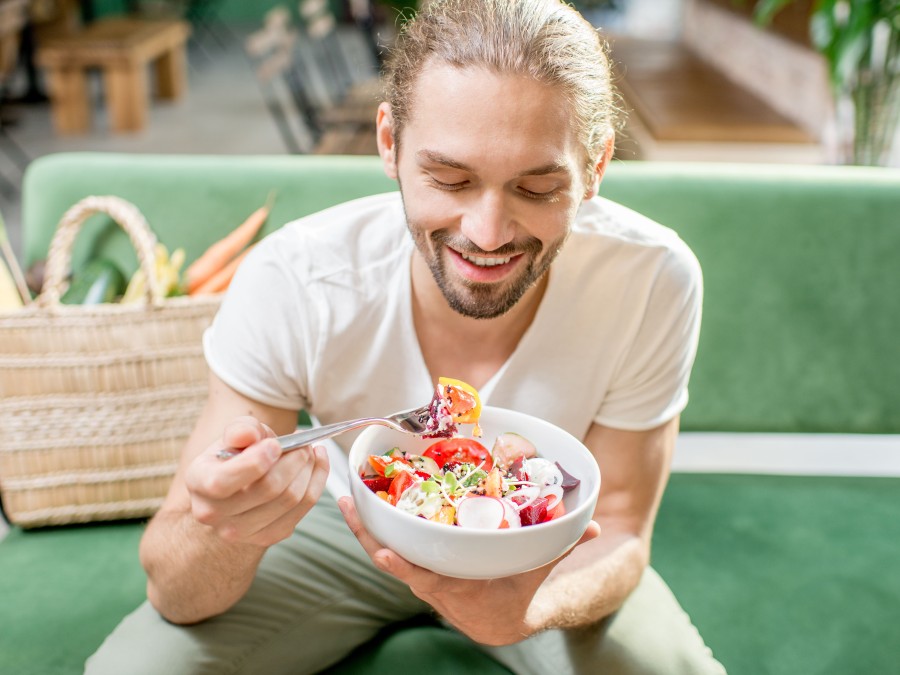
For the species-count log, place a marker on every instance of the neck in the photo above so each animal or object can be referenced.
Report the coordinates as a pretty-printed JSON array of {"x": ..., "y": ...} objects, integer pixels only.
[{"x": 458, "y": 346}]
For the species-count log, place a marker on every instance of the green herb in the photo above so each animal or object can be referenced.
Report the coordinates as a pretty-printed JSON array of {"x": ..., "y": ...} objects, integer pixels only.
[
  {"x": 474, "y": 478},
  {"x": 450, "y": 482}
]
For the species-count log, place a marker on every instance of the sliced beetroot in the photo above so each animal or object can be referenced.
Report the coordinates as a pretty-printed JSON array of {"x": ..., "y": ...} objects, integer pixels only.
[
  {"x": 569, "y": 481},
  {"x": 534, "y": 513},
  {"x": 438, "y": 422},
  {"x": 517, "y": 469},
  {"x": 525, "y": 495}
]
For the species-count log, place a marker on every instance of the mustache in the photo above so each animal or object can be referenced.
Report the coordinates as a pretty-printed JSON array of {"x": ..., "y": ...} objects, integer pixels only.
[{"x": 465, "y": 246}]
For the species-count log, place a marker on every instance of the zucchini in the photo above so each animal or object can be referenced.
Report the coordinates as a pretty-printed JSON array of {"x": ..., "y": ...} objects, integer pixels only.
[{"x": 100, "y": 281}]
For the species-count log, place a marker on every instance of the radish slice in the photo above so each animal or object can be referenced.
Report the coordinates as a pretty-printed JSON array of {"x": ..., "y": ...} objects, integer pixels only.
[
  {"x": 481, "y": 513},
  {"x": 510, "y": 447},
  {"x": 543, "y": 472},
  {"x": 553, "y": 493},
  {"x": 525, "y": 495},
  {"x": 511, "y": 513}
]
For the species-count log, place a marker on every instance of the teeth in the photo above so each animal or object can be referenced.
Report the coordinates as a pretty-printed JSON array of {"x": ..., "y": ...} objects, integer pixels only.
[{"x": 485, "y": 262}]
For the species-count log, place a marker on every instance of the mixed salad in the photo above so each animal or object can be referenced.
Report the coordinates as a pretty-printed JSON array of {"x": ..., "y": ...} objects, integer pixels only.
[{"x": 458, "y": 481}]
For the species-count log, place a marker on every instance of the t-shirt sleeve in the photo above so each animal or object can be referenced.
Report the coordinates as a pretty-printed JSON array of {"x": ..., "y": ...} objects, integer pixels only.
[
  {"x": 264, "y": 333},
  {"x": 650, "y": 386}
]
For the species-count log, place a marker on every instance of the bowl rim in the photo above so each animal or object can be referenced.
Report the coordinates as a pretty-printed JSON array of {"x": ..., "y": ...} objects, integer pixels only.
[{"x": 588, "y": 500}]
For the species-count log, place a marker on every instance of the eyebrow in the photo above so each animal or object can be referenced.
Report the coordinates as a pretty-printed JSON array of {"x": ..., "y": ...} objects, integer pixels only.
[{"x": 438, "y": 158}]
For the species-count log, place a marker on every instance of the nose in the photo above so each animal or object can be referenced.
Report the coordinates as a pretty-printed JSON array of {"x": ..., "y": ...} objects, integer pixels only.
[{"x": 489, "y": 223}]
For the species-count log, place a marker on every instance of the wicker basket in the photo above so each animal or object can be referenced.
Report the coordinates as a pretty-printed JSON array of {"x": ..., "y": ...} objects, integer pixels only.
[{"x": 97, "y": 401}]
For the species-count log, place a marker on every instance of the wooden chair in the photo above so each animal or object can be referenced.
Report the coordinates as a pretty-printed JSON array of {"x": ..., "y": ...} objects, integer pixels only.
[
  {"x": 348, "y": 91},
  {"x": 303, "y": 125}
]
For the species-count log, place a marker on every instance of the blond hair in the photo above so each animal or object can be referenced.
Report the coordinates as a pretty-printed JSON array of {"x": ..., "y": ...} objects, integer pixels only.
[{"x": 544, "y": 39}]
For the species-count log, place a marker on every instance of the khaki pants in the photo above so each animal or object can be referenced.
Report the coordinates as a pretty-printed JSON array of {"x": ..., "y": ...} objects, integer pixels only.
[{"x": 317, "y": 596}]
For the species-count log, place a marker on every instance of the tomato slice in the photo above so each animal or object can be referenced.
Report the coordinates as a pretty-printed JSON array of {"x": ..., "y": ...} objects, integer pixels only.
[
  {"x": 459, "y": 450},
  {"x": 378, "y": 462},
  {"x": 403, "y": 480},
  {"x": 462, "y": 400},
  {"x": 381, "y": 462},
  {"x": 377, "y": 484}
]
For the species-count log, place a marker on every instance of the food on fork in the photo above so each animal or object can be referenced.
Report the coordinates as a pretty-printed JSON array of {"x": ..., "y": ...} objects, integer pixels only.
[{"x": 454, "y": 402}]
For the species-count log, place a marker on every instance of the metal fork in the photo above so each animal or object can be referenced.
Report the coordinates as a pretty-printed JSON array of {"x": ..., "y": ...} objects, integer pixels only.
[{"x": 411, "y": 421}]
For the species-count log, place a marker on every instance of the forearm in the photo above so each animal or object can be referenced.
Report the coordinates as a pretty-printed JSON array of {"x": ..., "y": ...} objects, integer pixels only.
[
  {"x": 192, "y": 574},
  {"x": 591, "y": 583}
]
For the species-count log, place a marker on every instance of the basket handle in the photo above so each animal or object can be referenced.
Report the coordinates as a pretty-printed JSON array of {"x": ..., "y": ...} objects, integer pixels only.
[{"x": 127, "y": 216}]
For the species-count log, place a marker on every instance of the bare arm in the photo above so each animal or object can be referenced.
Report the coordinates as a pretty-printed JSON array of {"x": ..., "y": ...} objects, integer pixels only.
[
  {"x": 597, "y": 577},
  {"x": 202, "y": 548},
  {"x": 592, "y": 581}
]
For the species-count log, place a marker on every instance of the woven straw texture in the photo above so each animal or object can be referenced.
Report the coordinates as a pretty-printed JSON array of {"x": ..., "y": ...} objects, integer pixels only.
[{"x": 97, "y": 401}]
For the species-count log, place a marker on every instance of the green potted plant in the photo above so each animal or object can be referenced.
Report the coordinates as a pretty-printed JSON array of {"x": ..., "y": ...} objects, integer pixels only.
[{"x": 860, "y": 40}]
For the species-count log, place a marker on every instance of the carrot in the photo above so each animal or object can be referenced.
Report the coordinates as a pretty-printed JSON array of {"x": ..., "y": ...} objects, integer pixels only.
[
  {"x": 219, "y": 281},
  {"x": 216, "y": 257}
]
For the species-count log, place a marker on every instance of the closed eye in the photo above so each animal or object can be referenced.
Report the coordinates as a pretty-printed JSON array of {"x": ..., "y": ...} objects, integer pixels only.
[
  {"x": 451, "y": 187},
  {"x": 550, "y": 195}
]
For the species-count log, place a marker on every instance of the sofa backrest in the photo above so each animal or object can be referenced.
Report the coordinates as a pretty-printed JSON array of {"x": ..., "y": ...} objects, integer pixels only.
[{"x": 801, "y": 323}]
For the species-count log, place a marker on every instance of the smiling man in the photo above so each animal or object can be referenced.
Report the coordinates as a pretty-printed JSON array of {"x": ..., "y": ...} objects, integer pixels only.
[{"x": 495, "y": 263}]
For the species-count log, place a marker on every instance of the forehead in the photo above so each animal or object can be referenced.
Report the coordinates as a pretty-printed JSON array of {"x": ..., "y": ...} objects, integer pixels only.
[{"x": 475, "y": 113}]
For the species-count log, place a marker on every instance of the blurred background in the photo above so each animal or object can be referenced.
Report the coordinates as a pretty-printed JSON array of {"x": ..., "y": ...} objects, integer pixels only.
[{"x": 777, "y": 81}]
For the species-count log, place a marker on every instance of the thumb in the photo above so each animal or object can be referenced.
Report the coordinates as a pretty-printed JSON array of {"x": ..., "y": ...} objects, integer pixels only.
[{"x": 591, "y": 532}]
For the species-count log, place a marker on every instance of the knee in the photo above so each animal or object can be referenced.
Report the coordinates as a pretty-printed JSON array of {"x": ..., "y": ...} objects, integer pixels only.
[
  {"x": 144, "y": 644},
  {"x": 644, "y": 655}
]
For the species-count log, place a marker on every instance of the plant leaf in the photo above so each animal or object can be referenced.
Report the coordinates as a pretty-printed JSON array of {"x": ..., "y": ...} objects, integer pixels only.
[{"x": 765, "y": 10}]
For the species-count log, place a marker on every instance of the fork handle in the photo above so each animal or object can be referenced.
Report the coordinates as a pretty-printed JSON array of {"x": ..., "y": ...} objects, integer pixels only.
[{"x": 299, "y": 439}]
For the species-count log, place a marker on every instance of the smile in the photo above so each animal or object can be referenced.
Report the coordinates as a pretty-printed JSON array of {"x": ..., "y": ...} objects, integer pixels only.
[{"x": 485, "y": 262}]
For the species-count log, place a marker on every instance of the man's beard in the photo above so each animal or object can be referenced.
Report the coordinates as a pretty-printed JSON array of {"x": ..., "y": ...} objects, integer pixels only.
[{"x": 479, "y": 300}]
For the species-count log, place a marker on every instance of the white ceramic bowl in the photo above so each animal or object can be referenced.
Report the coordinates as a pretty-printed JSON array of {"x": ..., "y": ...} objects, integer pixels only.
[{"x": 473, "y": 553}]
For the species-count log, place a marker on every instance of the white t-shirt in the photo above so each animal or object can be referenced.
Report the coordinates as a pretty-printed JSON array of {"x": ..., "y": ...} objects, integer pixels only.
[{"x": 319, "y": 317}]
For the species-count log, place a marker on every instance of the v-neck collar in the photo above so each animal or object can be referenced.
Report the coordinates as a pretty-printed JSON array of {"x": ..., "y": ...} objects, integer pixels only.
[{"x": 542, "y": 316}]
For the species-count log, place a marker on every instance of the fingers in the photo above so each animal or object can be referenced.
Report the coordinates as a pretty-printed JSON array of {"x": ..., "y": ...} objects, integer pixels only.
[
  {"x": 592, "y": 532},
  {"x": 219, "y": 479},
  {"x": 293, "y": 485},
  {"x": 385, "y": 559},
  {"x": 244, "y": 431},
  {"x": 266, "y": 511},
  {"x": 271, "y": 531}
]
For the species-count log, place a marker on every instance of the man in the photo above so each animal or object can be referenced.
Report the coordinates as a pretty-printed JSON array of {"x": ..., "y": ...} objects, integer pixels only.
[{"x": 498, "y": 126}]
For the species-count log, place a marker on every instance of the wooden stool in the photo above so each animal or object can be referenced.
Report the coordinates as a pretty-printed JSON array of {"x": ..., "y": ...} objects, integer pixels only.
[{"x": 122, "y": 48}]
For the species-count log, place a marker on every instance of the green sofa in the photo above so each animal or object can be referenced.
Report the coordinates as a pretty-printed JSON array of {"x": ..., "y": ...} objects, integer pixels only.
[{"x": 782, "y": 574}]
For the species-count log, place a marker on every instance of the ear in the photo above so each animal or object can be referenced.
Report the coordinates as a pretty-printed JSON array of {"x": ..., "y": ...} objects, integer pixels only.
[
  {"x": 384, "y": 136},
  {"x": 600, "y": 167}
]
